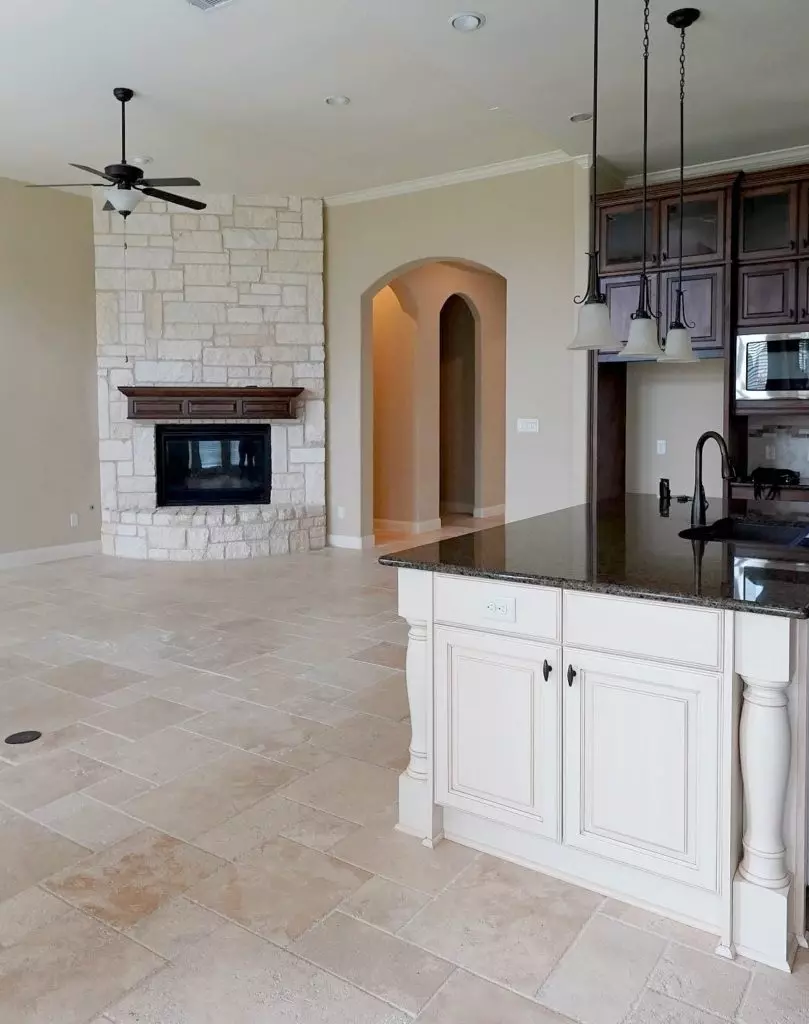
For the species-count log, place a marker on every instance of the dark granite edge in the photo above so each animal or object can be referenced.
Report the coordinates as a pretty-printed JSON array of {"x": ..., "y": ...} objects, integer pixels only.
[{"x": 615, "y": 589}]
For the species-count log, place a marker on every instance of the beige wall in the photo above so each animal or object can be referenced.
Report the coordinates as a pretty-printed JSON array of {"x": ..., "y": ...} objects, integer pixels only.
[
  {"x": 394, "y": 426},
  {"x": 521, "y": 226},
  {"x": 675, "y": 404},
  {"x": 47, "y": 380}
]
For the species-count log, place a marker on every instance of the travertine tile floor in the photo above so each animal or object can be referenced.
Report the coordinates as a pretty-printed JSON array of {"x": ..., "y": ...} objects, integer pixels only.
[{"x": 204, "y": 833}]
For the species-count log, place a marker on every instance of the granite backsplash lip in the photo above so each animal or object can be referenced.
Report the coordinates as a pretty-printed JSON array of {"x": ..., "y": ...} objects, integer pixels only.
[{"x": 626, "y": 548}]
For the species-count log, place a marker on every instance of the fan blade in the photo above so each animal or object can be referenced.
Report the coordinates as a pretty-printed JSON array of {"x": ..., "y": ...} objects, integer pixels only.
[
  {"x": 73, "y": 184},
  {"x": 92, "y": 170},
  {"x": 167, "y": 197},
  {"x": 176, "y": 182},
  {"x": 108, "y": 206}
]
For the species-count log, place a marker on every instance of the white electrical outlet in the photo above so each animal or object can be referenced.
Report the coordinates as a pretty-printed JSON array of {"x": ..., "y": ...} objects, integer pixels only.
[
  {"x": 341, "y": 512},
  {"x": 661, "y": 447},
  {"x": 74, "y": 519},
  {"x": 504, "y": 609},
  {"x": 769, "y": 452},
  {"x": 527, "y": 426}
]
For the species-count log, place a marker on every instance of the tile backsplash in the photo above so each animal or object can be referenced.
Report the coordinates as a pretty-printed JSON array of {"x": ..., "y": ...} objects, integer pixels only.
[{"x": 784, "y": 444}]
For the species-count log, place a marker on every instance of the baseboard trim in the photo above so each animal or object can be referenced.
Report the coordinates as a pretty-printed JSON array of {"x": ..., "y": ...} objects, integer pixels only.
[
  {"x": 492, "y": 510},
  {"x": 406, "y": 526},
  {"x": 457, "y": 508},
  {"x": 57, "y": 553},
  {"x": 336, "y": 540}
]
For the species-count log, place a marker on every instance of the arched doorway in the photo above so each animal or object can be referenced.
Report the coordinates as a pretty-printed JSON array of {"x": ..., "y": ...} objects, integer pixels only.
[
  {"x": 458, "y": 409},
  {"x": 405, "y": 318}
]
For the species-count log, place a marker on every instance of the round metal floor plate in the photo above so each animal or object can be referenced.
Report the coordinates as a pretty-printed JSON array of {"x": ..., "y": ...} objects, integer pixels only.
[{"x": 24, "y": 737}]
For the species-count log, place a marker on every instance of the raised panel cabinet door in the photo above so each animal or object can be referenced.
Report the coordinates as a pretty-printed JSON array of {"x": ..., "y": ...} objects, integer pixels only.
[
  {"x": 803, "y": 291},
  {"x": 641, "y": 764},
  {"x": 803, "y": 214},
  {"x": 497, "y": 727},
  {"x": 703, "y": 229},
  {"x": 622, "y": 299},
  {"x": 704, "y": 293},
  {"x": 768, "y": 222},
  {"x": 767, "y": 294},
  {"x": 620, "y": 244}
]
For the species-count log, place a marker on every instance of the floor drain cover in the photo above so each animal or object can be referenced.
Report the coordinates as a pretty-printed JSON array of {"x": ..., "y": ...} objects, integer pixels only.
[{"x": 24, "y": 737}]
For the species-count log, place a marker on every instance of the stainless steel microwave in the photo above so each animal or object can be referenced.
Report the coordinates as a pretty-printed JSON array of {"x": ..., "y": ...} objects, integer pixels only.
[{"x": 772, "y": 366}]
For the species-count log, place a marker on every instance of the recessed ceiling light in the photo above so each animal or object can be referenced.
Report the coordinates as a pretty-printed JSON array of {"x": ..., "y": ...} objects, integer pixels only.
[
  {"x": 581, "y": 118},
  {"x": 467, "y": 22},
  {"x": 338, "y": 101}
]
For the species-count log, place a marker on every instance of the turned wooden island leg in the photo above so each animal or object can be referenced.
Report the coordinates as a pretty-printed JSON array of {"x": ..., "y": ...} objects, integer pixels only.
[
  {"x": 418, "y": 813},
  {"x": 761, "y": 888}
]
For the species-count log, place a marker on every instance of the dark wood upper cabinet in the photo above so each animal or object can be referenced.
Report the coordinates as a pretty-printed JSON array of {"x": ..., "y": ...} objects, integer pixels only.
[
  {"x": 768, "y": 294},
  {"x": 803, "y": 233},
  {"x": 768, "y": 222},
  {"x": 621, "y": 237},
  {"x": 703, "y": 229},
  {"x": 622, "y": 298},
  {"x": 803, "y": 292},
  {"x": 704, "y": 293}
]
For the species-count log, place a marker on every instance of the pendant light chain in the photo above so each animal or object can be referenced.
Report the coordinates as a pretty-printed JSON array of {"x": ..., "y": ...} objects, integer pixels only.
[
  {"x": 645, "y": 123},
  {"x": 680, "y": 311}
]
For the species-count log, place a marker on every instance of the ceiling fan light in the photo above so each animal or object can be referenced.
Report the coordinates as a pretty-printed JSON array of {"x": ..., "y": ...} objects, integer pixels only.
[
  {"x": 642, "y": 341},
  {"x": 124, "y": 200},
  {"x": 678, "y": 346},
  {"x": 594, "y": 330}
]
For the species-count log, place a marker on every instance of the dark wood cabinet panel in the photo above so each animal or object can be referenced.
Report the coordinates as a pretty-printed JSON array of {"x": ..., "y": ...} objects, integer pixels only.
[
  {"x": 621, "y": 237},
  {"x": 703, "y": 229},
  {"x": 803, "y": 228},
  {"x": 767, "y": 294},
  {"x": 704, "y": 293},
  {"x": 768, "y": 222},
  {"x": 622, "y": 298},
  {"x": 803, "y": 292}
]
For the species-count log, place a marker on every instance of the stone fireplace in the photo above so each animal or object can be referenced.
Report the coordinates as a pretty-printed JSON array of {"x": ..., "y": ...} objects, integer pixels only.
[{"x": 229, "y": 298}]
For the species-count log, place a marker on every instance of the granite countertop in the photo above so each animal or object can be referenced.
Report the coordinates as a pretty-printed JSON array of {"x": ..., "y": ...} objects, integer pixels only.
[{"x": 627, "y": 548}]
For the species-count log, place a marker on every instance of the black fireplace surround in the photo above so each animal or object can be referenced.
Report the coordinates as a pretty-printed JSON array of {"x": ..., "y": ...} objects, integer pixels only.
[{"x": 213, "y": 464}]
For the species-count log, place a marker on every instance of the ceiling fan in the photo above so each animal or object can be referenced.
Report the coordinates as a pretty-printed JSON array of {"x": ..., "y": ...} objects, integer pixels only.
[{"x": 125, "y": 182}]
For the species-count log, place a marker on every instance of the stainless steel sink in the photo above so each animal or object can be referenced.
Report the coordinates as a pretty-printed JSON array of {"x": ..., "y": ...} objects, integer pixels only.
[{"x": 740, "y": 531}]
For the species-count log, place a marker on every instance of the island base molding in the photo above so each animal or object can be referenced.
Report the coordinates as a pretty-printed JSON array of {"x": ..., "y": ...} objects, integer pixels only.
[{"x": 652, "y": 751}]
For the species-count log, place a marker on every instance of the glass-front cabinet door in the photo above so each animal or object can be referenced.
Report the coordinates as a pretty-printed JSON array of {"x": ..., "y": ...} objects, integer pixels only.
[
  {"x": 621, "y": 237},
  {"x": 703, "y": 229},
  {"x": 769, "y": 222}
]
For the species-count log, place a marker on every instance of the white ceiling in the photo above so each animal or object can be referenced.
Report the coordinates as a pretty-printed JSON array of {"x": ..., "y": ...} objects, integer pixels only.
[{"x": 235, "y": 96}]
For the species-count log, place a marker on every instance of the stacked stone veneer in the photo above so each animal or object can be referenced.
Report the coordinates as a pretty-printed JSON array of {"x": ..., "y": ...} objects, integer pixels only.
[{"x": 232, "y": 296}]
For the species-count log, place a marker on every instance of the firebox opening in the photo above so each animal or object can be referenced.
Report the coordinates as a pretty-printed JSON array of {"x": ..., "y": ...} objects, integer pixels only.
[{"x": 212, "y": 464}]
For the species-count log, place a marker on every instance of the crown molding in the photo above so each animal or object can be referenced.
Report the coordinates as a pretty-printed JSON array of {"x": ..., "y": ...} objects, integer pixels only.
[
  {"x": 752, "y": 162},
  {"x": 401, "y": 188}
]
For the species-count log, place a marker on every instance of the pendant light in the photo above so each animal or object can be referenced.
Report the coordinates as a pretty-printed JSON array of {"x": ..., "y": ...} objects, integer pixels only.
[
  {"x": 594, "y": 330},
  {"x": 642, "y": 341},
  {"x": 678, "y": 339}
]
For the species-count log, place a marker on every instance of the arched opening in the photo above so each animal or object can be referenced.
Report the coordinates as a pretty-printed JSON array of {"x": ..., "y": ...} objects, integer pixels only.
[
  {"x": 433, "y": 409},
  {"x": 457, "y": 403}
]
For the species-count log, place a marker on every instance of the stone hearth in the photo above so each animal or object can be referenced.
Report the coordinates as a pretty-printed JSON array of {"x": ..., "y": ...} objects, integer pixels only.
[{"x": 232, "y": 297}]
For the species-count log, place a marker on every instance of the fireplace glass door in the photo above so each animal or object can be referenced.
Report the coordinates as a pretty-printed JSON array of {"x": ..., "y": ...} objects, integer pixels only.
[{"x": 213, "y": 464}]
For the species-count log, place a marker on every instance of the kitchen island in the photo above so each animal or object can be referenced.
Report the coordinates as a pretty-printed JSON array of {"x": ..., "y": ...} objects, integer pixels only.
[{"x": 594, "y": 696}]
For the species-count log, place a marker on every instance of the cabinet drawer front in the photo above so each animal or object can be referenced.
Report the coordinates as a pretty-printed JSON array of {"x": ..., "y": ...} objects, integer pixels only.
[
  {"x": 660, "y": 631},
  {"x": 497, "y": 729},
  {"x": 642, "y": 766},
  {"x": 499, "y": 607}
]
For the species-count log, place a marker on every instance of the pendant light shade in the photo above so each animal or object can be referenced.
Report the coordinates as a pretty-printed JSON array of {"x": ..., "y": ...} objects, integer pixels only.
[
  {"x": 678, "y": 346},
  {"x": 642, "y": 342},
  {"x": 594, "y": 332},
  {"x": 678, "y": 340}
]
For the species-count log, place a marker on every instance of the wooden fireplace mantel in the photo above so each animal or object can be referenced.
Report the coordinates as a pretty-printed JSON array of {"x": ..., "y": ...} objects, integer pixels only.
[{"x": 186, "y": 403}]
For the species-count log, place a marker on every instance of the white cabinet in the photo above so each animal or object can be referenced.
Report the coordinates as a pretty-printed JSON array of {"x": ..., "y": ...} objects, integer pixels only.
[
  {"x": 641, "y": 764},
  {"x": 497, "y": 728}
]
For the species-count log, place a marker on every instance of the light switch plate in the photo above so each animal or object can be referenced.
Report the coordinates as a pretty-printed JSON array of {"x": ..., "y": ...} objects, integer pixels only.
[
  {"x": 661, "y": 447},
  {"x": 527, "y": 426}
]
